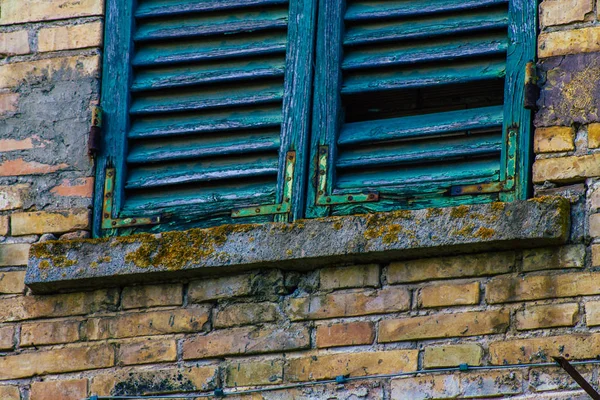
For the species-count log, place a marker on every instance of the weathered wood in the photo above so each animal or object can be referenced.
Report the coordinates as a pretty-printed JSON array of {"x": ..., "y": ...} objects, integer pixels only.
[{"x": 161, "y": 8}]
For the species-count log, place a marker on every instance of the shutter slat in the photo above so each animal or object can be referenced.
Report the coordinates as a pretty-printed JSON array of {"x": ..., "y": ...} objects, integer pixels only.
[
  {"x": 206, "y": 146},
  {"x": 364, "y": 10},
  {"x": 447, "y": 49},
  {"x": 417, "y": 78},
  {"x": 208, "y": 25},
  {"x": 389, "y": 154},
  {"x": 210, "y": 49},
  {"x": 426, "y": 28},
  {"x": 175, "y": 125},
  {"x": 163, "y": 78},
  {"x": 443, "y": 173},
  {"x": 161, "y": 8},
  {"x": 421, "y": 125},
  {"x": 221, "y": 96},
  {"x": 202, "y": 171}
]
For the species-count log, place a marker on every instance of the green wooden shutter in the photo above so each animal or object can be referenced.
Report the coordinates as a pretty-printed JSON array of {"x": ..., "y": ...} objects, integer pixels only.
[
  {"x": 203, "y": 99},
  {"x": 420, "y": 103}
]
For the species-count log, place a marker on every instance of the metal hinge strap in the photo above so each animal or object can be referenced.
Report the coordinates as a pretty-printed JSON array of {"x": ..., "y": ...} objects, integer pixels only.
[
  {"x": 94, "y": 140},
  {"x": 328, "y": 199},
  {"x": 532, "y": 90},
  {"x": 273, "y": 209},
  {"x": 108, "y": 222}
]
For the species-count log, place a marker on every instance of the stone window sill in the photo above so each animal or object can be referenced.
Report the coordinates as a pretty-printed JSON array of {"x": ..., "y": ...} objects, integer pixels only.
[{"x": 306, "y": 244}]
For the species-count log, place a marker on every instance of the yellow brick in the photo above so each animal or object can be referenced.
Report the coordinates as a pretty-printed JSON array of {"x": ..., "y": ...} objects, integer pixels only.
[
  {"x": 566, "y": 169},
  {"x": 326, "y": 366},
  {"x": 594, "y": 225},
  {"x": 443, "y": 325},
  {"x": 560, "y": 43},
  {"x": 12, "y": 282},
  {"x": 49, "y": 222},
  {"x": 9, "y": 103},
  {"x": 244, "y": 314},
  {"x": 152, "y": 296},
  {"x": 4, "y": 225},
  {"x": 10, "y": 393},
  {"x": 65, "y": 68},
  {"x": 7, "y": 338},
  {"x": 571, "y": 346},
  {"x": 554, "y": 139},
  {"x": 594, "y": 136},
  {"x": 45, "y": 333},
  {"x": 572, "y": 256},
  {"x": 247, "y": 340},
  {"x": 449, "y": 295},
  {"x": 451, "y": 267},
  {"x": 146, "y": 352},
  {"x": 350, "y": 277},
  {"x": 452, "y": 355},
  {"x": 63, "y": 390},
  {"x": 158, "y": 381},
  {"x": 14, "y": 254},
  {"x": 70, "y": 37},
  {"x": 592, "y": 313},
  {"x": 560, "y": 12},
  {"x": 547, "y": 316},
  {"x": 72, "y": 359},
  {"x": 254, "y": 373},
  {"x": 13, "y": 43},
  {"x": 596, "y": 255},
  {"x": 345, "y": 334},
  {"x": 510, "y": 288},
  {"x": 19, "y": 11},
  {"x": 348, "y": 304}
]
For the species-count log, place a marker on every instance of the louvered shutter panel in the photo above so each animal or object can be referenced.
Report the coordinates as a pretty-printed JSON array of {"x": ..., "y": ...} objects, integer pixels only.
[
  {"x": 196, "y": 95},
  {"x": 419, "y": 103}
]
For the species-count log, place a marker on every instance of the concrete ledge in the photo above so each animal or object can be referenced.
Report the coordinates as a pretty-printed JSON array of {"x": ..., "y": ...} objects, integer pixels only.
[{"x": 306, "y": 244}]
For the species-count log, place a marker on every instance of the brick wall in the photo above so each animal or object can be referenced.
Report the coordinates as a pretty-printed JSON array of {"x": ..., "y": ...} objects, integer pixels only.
[{"x": 265, "y": 328}]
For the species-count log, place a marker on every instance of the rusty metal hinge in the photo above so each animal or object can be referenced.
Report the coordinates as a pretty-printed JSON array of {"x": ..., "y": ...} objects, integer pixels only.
[
  {"x": 95, "y": 138},
  {"x": 279, "y": 208},
  {"x": 532, "y": 90},
  {"x": 108, "y": 222},
  {"x": 327, "y": 199}
]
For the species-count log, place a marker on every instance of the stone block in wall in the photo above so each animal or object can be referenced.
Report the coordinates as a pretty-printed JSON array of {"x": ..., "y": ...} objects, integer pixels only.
[
  {"x": 146, "y": 351},
  {"x": 244, "y": 314},
  {"x": 570, "y": 86},
  {"x": 348, "y": 304},
  {"x": 511, "y": 288},
  {"x": 52, "y": 332},
  {"x": 349, "y": 277},
  {"x": 254, "y": 373},
  {"x": 345, "y": 334},
  {"x": 483, "y": 384},
  {"x": 20, "y": 11},
  {"x": 14, "y": 43},
  {"x": 70, "y": 37},
  {"x": 443, "y": 326},
  {"x": 547, "y": 316},
  {"x": 14, "y": 254},
  {"x": 12, "y": 282},
  {"x": 247, "y": 340},
  {"x": 131, "y": 382},
  {"x": 554, "y": 139},
  {"x": 75, "y": 389},
  {"x": 571, "y": 256},
  {"x": 40, "y": 222},
  {"x": 445, "y": 356},
  {"x": 71, "y": 359},
  {"x": 450, "y": 267},
  {"x": 11, "y": 197},
  {"x": 445, "y": 295},
  {"x": 560, "y": 12},
  {"x": 152, "y": 296},
  {"x": 327, "y": 366}
]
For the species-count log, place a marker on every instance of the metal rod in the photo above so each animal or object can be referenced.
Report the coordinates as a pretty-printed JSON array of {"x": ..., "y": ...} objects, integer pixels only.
[{"x": 577, "y": 377}]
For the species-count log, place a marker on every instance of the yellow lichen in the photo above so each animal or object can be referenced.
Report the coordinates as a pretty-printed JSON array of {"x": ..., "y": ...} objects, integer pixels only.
[
  {"x": 498, "y": 206},
  {"x": 465, "y": 230},
  {"x": 484, "y": 233},
  {"x": 44, "y": 264},
  {"x": 433, "y": 212},
  {"x": 459, "y": 212}
]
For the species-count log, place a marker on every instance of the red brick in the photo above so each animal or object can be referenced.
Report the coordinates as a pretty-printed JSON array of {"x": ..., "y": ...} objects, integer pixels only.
[
  {"x": 7, "y": 145},
  {"x": 81, "y": 187},
  {"x": 21, "y": 167}
]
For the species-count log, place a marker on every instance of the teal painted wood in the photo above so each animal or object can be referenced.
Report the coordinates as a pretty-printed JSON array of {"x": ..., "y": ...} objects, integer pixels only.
[
  {"x": 222, "y": 143},
  {"x": 522, "y": 33},
  {"x": 199, "y": 49},
  {"x": 363, "y": 10},
  {"x": 420, "y": 126},
  {"x": 297, "y": 101},
  {"x": 161, "y": 8},
  {"x": 485, "y": 45},
  {"x": 210, "y": 121},
  {"x": 115, "y": 103},
  {"x": 327, "y": 106},
  {"x": 461, "y": 23}
]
